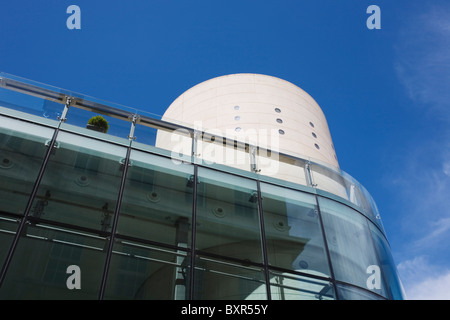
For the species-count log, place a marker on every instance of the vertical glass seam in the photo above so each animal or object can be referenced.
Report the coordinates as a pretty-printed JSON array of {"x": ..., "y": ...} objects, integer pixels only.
[
  {"x": 372, "y": 241},
  {"x": 263, "y": 240},
  {"x": 33, "y": 193},
  {"x": 115, "y": 221},
  {"x": 193, "y": 233},
  {"x": 330, "y": 264},
  {"x": 194, "y": 161}
]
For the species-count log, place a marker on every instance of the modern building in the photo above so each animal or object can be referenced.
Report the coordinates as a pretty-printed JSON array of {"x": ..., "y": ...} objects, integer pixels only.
[{"x": 234, "y": 193}]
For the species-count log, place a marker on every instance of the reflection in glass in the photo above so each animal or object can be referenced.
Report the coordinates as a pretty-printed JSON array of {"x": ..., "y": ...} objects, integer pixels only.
[
  {"x": 38, "y": 269},
  {"x": 80, "y": 118},
  {"x": 227, "y": 216},
  {"x": 22, "y": 150},
  {"x": 220, "y": 280},
  {"x": 352, "y": 293},
  {"x": 141, "y": 272},
  {"x": 71, "y": 217},
  {"x": 292, "y": 230},
  {"x": 147, "y": 136},
  {"x": 30, "y": 104},
  {"x": 349, "y": 242},
  {"x": 157, "y": 200},
  {"x": 388, "y": 269},
  {"x": 8, "y": 228},
  {"x": 81, "y": 183},
  {"x": 294, "y": 287}
]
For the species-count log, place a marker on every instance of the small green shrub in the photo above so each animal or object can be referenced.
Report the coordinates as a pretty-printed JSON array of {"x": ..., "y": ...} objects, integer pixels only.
[{"x": 100, "y": 122}]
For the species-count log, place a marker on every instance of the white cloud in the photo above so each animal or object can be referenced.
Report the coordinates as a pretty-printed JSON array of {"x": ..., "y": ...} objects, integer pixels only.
[
  {"x": 423, "y": 281},
  {"x": 438, "y": 229},
  {"x": 423, "y": 194},
  {"x": 422, "y": 189},
  {"x": 423, "y": 67},
  {"x": 423, "y": 60},
  {"x": 422, "y": 181},
  {"x": 446, "y": 168},
  {"x": 431, "y": 288}
]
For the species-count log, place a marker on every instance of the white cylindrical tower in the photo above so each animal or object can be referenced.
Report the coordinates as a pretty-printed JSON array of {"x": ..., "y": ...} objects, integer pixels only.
[{"x": 259, "y": 109}]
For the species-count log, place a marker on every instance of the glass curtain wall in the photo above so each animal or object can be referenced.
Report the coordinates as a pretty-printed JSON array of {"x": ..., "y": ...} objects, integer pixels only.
[
  {"x": 157, "y": 210},
  {"x": 183, "y": 231},
  {"x": 68, "y": 222},
  {"x": 22, "y": 151},
  {"x": 228, "y": 237},
  {"x": 349, "y": 242}
]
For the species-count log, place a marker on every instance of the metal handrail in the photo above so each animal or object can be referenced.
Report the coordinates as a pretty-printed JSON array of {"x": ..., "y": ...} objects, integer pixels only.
[{"x": 79, "y": 101}]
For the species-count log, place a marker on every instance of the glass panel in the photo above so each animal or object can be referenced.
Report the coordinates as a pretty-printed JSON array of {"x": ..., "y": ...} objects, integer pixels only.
[
  {"x": 142, "y": 272},
  {"x": 116, "y": 127},
  {"x": 359, "y": 196},
  {"x": 285, "y": 286},
  {"x": 371, "y": 208},
  {"x": 146, "y": 135},
  {"x": 328, "y": 179},
  {"x": 282, "y": 167},
  {"x": 157, "y": 200},
  {"x": 387, "y": 266},
  {"x": 345, "y": 186},
  {"x": 214, "y": 147},
  {"x": 216, "y": 280},
  {"x": 30, "y": 104},
  {"x": 349, "y": 242},
  {"x": 227, "y": 216},
  {"x": 178, "y": 142},
  {"x": 39, "y": 267},
  {"x": 352, "y": 293},
  {"x": 81, "y": 183},
  {"x": 293, "y": 232},
  {"x": 22, "y": 150}
]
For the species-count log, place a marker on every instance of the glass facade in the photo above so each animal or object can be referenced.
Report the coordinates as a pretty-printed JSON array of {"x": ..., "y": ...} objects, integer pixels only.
[{"x": 140, "y": 224}]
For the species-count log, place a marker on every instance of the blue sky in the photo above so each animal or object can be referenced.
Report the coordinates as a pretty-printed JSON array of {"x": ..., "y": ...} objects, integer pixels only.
[{"x": 385, "y": 93}]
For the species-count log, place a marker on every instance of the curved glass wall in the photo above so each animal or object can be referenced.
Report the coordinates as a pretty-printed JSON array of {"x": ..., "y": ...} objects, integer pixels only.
[
  {"x": 293, "y": 231},
  {"x": 139, "y": 224},
  {"x": 349, "y": 243}
]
